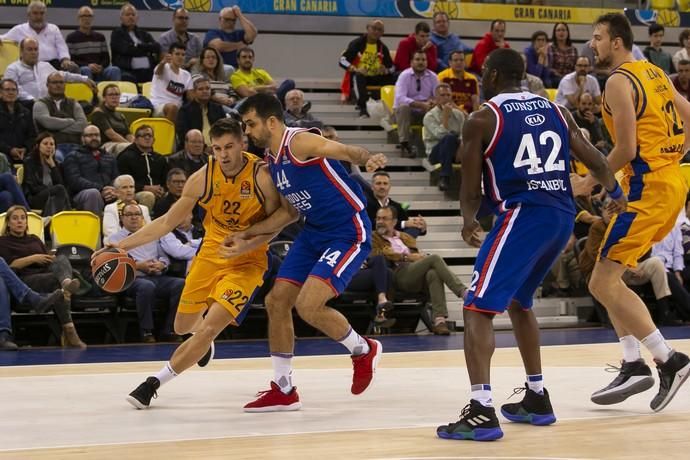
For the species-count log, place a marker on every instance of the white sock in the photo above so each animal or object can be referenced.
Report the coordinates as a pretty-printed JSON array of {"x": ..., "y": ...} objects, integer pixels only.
[
  {"x": 482, "y": 393},
  {"x": 631, "y": 348},
  {"x": 166, "y": 374},
  {"x": 657, "y": 346},
  {"x": 282, "y": 371},
  {"x": 536, "y": 383},
  {"x": 355, "y": 343}
]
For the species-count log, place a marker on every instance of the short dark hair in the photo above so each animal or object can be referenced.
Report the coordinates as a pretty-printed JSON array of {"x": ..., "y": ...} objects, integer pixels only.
[
  {"x": 394, "y": 212},
  {"x": 619, "y": 27},
  {"x": 142, "y": 128},
  {"x": 246, "y": 49},
  {"x": 496, "y": 21},
  {"x": 380, "y": 173},
  {"x": 684, "y": 35},
  {"x": 422, "y": 27},
  {"x": 175, "y": 172},
  {"x": 225, "y": 126},
  {"x": 539, "y": 33},
  {"x": 8, "y": 80},
  {"x": 508, "y": 64},
  {"x": 684, "y": 62},
  {"x": 656, "y": 27},
  {"x": 452, "y": 53},
  {"x": 176, "y": 46},
  {"x": 265, "y": 105}
]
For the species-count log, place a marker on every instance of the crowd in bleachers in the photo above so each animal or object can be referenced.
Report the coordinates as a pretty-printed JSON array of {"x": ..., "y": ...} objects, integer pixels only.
[{"x": 116, "y": 130}]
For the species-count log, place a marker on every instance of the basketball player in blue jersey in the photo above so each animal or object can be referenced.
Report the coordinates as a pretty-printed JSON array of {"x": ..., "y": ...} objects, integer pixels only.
[
  {"x": 333, "y": 245},
  {"x": 519, "y": 143}
]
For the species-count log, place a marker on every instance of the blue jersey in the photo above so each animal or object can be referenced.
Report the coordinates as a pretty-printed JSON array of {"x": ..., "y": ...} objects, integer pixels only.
[
  {"x": 528, "y": 159},
  {"x": 319, "y": 188}
]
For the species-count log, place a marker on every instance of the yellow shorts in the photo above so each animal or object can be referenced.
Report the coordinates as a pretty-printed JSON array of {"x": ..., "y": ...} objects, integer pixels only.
[
  {"x": 654, "y": 201},
  {"x": 232, "y": 285}
]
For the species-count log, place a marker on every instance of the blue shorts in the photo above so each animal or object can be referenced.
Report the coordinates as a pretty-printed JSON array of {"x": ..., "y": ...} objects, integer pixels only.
[
  {"x": 516, "y": 256},
  {"x": 331, "y": 256}
]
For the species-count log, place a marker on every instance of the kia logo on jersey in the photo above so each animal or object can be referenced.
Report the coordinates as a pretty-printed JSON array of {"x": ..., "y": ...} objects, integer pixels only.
[{"x": 535, "y": 120}]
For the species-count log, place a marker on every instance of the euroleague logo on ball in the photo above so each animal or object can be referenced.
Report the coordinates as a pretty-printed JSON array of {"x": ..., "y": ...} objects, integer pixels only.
[
  {"x": 100, "y": 275},
  {"x": 535, "y": 119}
]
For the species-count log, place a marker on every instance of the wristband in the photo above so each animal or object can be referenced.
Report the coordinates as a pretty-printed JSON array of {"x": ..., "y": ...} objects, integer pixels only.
[{"x": 616, "y": 193}]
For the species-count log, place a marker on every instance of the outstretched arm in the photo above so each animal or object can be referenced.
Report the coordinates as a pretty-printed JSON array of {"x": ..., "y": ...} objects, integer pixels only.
[{"x": 309, "y": 145}]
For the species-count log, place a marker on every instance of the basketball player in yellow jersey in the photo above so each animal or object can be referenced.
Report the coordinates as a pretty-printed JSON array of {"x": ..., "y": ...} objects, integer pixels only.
[
  {"x": 646, "y": 118},
  {"x": 236, "y": 191}
]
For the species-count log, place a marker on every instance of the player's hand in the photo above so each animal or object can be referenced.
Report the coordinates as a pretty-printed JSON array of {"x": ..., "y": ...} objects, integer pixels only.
[
  {"x": 103, "y": 249},
  {"x": 617, "y": 206},
  {"x": 235, "y": 244},
  {"x": 470, "y": 233},
  {"x": 582, "y": 186},
  {"x": 375, "y": 162}
]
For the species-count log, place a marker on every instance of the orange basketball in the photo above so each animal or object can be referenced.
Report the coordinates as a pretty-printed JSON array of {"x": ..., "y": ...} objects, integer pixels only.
[{"x": 113, "y": 270}]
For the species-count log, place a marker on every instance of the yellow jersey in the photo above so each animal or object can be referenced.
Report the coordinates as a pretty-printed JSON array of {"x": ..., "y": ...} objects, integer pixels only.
[
  {"x": 232, "y": 204},
  {"x": 660, "y": 131}
]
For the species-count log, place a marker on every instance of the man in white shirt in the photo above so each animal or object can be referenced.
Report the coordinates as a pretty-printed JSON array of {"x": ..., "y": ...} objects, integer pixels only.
[
  {"x": 124, "y": 189},
  {"x": 53, "y": 47},
  {"x": 181, "y": 246},
  {"x": 170, "y": 82},
  {"x": 31, "y": 75},
  {"x": 575, "y": 83}
]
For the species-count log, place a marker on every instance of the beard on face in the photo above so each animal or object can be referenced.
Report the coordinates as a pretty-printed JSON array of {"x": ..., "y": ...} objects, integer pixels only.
[{"x": 381, "y": 229}]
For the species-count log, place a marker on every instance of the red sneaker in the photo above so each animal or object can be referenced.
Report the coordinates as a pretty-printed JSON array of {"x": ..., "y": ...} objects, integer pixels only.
[
  {"x": 365, "y": 366},
  {"x": 274, "y": 400}
]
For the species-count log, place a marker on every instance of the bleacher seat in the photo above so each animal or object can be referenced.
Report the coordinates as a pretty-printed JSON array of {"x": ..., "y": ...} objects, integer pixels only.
[
  {"x": 9, "y": 52},
  {"x": 76, "y": 227},
  {"x": 35, "y": 226},
  {"x": 146, "y": 90},
  {"x": 131, "y": 114},
  {"x": 79, "y": 92},
  {"x": 164, "y": 133},
  {"x": 124, "y": 86}
]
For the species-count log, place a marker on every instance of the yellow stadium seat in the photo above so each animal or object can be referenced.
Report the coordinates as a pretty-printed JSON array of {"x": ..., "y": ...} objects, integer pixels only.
[
  {"x": 388, "y": 96},
  {"x": 76, "y": 227},
  {"x": 468, "y": 60},
  {"x": 685, "y": 170},
  {"x": 35, "y": 224},
  {"x": 163, "y": 131},
  {"x": 126, "y": 87},
  {"x": 8, "y": 54},
  {"x": 662, "y": 4},
  {"x": 551, "y": 93},
  {"x": 20, "y": 174},
  {"x": 146, "y": 89},
  {"x": 132, "y": 114},
  {"x": 79, "y": 92}
]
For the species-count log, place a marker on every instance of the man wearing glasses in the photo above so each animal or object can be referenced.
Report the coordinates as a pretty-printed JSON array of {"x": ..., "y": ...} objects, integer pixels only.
[
  {"x": 89, "y": 50},
  {"x": 180, "y": 34},
  {"x": 575, "y": 83},
  {"x": 227, "y": 40},
  {"x": 148, "y": 168}
]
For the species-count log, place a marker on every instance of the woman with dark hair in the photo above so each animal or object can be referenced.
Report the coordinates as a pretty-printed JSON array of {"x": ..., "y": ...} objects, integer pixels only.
[
  {"x": 210, "y": 65},
  {"x": 112, "y": 124},
  {"x": 562, "y": 53},
  {"x": 43, "y": 183},
  {"x": 537, "y": 54},
  {"x": 684, "y": 52},
  {"x": 39, "y": 269},
  {"x": 17, "y": 130}
]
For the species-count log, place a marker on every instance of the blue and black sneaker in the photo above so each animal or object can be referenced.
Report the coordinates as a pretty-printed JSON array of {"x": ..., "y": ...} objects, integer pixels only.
[
  {"x": 534, "y": 408},
  {"x": 477, "y": 423}
]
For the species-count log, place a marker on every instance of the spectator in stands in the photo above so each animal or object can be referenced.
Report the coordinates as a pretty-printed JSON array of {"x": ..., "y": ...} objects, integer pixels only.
[
  {"x": 181, "y": 246},
  {"x": 175, "y": 183},
  {"x": 381, "y": 187},
  {"x": 530, "y": 83},
  {"x": 297, "y": 112},
  {"x": 682, "y": 80},
  {"x": 376, "y": 276},
  {"x": 44, "y": 186},
  {"x": 414, "y": 94},
  {"x": 61, "y": 116},
  {"x": 562, "y": 53},
  {"x": 124, "y": 190},
  {"x": 367, "y": 62},
  {"x": 226, "y": 40},
  {"x": 10, "y": 193},
  {"x": 671, "y": 253},
  {"x": 599, "y": 72},
  {"x": 31, "y": 74},
  {"x": 492, "y": 40},
  {"x": 200, "y": 112},
  {"x": 39, "y": 269},
  {"x": 112, "y": 124},
  {"x": 575, "y": 83},
  {"x": 537, "y": 54},
  {"x": 330, "y": 133},
  {"x": 655, "y": 53},
  {"x": 249, "y": 80},
  {"x": 417, "y": 42},
  {"x": 90, "y": 50},
  {"x": 446, "y": 42},
  {"x": 414, "y": 271},
  {"x": 133, "y": 50},
  {"x": 150, "y": 283},
  {"x": 684, "y": 51},
  {"x": 11, "y": 286},
  {"x": 585, "y": 118},
  {"x": 146, "y": 166},
  {"x": 170, "y": 84},
  {"x": 180, "y": 34},
  {"x": 566, "y": 271},
  {"x": 442, "y": 133},
  {"x": 464, "y": 85},
  {"x": 53, "y": 47},
  {"x": 88, "y": 172},
  {"x": 17, "y": 131},
  {"x": 210, "y": 66},
  {"x": 192, "y": 157}
]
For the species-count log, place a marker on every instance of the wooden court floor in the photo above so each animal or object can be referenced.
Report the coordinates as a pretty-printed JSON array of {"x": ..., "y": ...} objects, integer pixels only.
[{"x": 79, "y": 411}]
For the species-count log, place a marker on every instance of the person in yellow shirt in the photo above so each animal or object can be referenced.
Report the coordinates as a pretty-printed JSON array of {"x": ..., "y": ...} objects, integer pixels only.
[
  {"x": 464, "y": 85},
  {"x": 248, "y": 80}
]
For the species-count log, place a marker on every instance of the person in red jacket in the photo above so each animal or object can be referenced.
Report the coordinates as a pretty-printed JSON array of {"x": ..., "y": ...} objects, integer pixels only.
[
  {"x": 419, "y": 40},
  {"x": 491, "y": 41}
]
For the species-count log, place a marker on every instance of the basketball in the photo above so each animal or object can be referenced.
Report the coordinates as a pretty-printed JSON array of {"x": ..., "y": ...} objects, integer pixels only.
[
  {"x": 113, "y": 270},
  {"x": 198, "y": 5}
]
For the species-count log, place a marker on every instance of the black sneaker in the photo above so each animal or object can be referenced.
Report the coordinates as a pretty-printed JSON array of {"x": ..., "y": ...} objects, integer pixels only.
[
  {"x": 477, "y": 423},
  {"x": 534, "y": 408},
  {"x": 672, "y": 374},
  {"x": 208, "y": 356},
  {"x": 141, "y": 396},
  {"x": 633, "y": 377}
]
